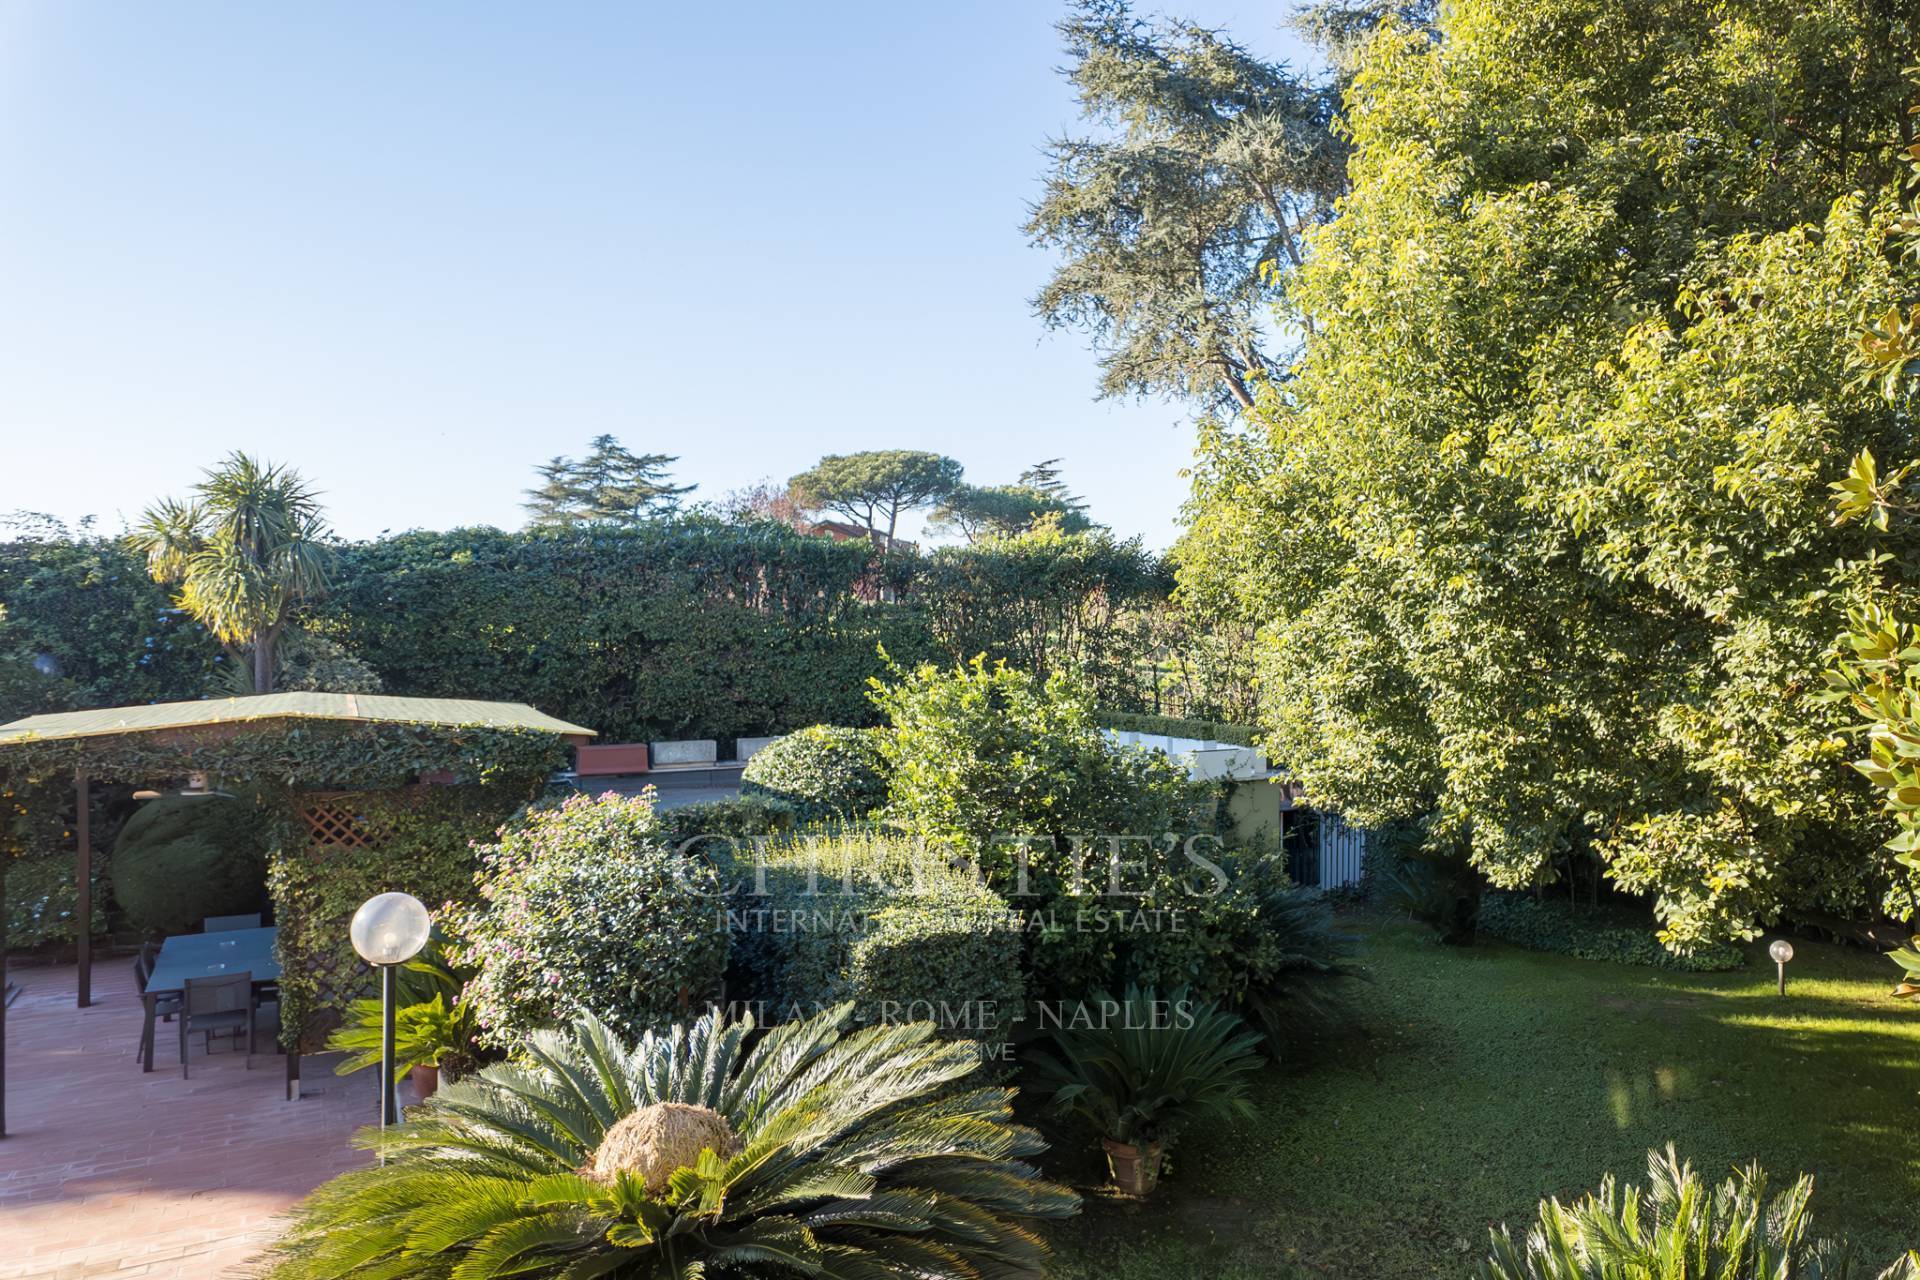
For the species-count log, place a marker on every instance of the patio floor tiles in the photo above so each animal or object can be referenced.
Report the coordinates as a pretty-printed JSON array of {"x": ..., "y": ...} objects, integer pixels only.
[{"x": 109, "y": 1172}]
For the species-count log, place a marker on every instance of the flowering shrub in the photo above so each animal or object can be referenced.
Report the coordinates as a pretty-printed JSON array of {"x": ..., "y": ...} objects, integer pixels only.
[{"x": 585, "y": 909}]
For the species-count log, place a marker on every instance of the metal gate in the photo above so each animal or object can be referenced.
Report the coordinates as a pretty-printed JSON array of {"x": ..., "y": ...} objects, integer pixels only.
[{"x": 1343, "y": 851}]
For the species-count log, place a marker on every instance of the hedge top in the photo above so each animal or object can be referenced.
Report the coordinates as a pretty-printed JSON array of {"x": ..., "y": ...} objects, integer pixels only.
[{"x": 361, "y": 708}]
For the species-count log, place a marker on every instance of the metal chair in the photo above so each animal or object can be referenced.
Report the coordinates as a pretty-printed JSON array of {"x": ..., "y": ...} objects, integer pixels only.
[
  {"x": 215, "y": 1004},
  {"x": 226, "y": 924},
  {"x": 164, "y": 1006}
]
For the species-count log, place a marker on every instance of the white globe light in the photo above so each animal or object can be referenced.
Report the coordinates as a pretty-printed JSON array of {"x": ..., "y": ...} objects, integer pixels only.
[
  {"x": 1781, "y": 951},
  {"x": 390, "y": 928}
]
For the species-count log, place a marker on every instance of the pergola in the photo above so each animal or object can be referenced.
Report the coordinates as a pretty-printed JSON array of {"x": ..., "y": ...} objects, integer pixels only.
[{"x": 296, "y": 742}]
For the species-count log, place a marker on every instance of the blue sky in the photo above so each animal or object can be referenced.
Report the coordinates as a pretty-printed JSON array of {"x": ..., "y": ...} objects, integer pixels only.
[{"x": 415, "y": 249}]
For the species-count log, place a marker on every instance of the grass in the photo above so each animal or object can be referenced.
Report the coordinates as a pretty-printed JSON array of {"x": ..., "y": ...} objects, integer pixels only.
[{"x": 1479, "y": 1080}]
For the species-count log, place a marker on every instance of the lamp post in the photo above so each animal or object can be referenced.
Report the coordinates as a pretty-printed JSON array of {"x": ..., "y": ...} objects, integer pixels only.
[
  {"x": 1781, "y": 951},
  {"x": 388, "y": 930}
]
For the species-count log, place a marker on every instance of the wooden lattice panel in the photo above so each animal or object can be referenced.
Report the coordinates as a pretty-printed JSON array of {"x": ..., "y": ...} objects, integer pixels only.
[
  {"x": 335, "y": 820},
  {"x": 339, "y": 817}
]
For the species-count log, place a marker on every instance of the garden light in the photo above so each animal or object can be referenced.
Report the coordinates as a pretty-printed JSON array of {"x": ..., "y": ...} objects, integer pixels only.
[
  {"x": 389, "y": 929},
  {"x": 1781, "y": 951}
]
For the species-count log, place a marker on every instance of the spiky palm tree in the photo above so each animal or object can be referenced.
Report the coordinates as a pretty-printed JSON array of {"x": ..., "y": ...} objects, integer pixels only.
[
  {"x": 247, "y": 550},
  {"x": 1678, "y": 1229},
  {"x": 819, "y": 1152}
]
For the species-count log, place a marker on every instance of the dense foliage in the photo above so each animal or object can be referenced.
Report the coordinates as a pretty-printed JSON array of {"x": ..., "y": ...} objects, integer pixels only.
[
  {"x": 180, "y": 859},
  {"x": 878, "y": 921},
  {"x": 688, "y": 1154},
  {"x": 84, "y": 626},
  {"x": 1554, "y": 924},
  {"x": 1679, "y": 1228},
  {"x": 1045, "y": 601},
  {"x": 1537, "y": 532},
  {"x": 417, "y": 840},
  {"x": 1014, "y": 775},
  {"x": 672, "y": 628},
  {"x": 822, "y": 770},
  {"x": 584, "y": 908}
]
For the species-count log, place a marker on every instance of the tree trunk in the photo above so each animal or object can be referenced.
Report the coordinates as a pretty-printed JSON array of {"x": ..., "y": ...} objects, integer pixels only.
[{"x": 263, "y": 662}]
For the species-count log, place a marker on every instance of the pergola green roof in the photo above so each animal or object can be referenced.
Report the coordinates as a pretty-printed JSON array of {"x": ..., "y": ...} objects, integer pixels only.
[
  {"x": 186, "y": 733},
  {"x": 364, "y": 708}
]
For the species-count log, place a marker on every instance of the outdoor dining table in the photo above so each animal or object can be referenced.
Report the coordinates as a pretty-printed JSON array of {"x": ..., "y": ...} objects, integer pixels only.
[{"x": 207, "y": 955}]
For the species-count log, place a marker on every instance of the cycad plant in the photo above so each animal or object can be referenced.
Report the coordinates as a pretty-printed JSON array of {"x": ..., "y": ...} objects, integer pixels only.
[
  {"x": 817, "y": 1152},
  {"x": 1142, "y": 1069},
  {"x": 246, "y": 551},
  {"x": 1679, "y": 1229}
]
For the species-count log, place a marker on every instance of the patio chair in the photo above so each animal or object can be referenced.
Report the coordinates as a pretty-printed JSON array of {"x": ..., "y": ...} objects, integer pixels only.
[
  {"x": 217, "y": 1004},
  {"x": 224, "y": 924},
  {"x": 164, "y": 1007}
]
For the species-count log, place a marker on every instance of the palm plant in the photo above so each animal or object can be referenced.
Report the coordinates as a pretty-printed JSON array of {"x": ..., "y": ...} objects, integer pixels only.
[
  {"x": 1678, "y": 1229},
  {"x": 429, "y": 1033},
  {"x": 432, "y": 1025},
  {"x": 1142, "y": 1069},
  {"x": 245, "y": 552},
  {"x": 817, "y": 1152},
  {"x": 1301, "y": 961}
]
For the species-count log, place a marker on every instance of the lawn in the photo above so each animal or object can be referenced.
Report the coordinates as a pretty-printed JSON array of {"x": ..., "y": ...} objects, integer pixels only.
[{"x": 1477, "y": 1080}]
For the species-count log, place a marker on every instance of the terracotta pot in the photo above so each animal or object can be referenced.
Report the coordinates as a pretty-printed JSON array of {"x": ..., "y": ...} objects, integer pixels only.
[
  {"x": 425, "y": 1081},
  {"x": 1135, "y": 1169}
]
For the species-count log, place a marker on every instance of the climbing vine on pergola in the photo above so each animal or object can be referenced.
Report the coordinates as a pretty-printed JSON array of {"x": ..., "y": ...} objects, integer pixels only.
[{"x": 357, "y": 794}]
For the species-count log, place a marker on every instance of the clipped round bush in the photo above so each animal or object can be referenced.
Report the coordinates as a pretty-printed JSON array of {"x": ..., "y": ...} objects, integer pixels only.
[
  {"x": 180, "y": 859},
  {"x": 823, "y": 771},
  {"x": 585, "y": 908}
]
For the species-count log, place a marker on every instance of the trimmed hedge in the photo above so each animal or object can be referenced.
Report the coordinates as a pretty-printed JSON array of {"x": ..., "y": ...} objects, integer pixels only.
[
  {"x": 844, "y": 916},
  {"x": 824, "y": 771},
  {"x": 741, "y": 818},
  {"x": 672, "y": 629},
  {"x": 1173, "y": 726},
  {"x": 180, "y": 859},
  {"x": 1554, "y": 926}
]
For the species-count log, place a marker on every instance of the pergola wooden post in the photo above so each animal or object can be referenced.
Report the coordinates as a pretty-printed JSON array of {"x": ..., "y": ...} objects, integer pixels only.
[{"x": 83, "y": 913}]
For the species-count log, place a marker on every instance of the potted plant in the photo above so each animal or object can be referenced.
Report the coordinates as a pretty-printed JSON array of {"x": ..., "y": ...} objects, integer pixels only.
[
  {"x": 1142, "y": 1069},
  {"x": 428, "y": 1037},
  {"x": 434, "y": 1027}
]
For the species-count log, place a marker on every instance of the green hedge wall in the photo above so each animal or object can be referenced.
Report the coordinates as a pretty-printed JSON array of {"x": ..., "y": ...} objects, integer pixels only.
[
  {"x": 684, "y": 628},
  {"x": 663, "y": 631}
]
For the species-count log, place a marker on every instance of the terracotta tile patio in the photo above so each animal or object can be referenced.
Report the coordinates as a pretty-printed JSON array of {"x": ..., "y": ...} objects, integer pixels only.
[{"x": 108, "y": 1172}]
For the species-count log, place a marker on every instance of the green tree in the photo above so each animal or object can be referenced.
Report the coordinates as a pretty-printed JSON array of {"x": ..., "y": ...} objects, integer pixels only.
[
  {"x": 1044, "y": 476},
  {"x": 611, "y": 485},
  {"x": 981, "y": 512},
  {"x": 873, "y": 489},
  {"x": 1014, "y": 776},
  {"x": 1536, "y": 537},
  {"x": 245, "y": 552},
  {"x": 1181, "y": 217},
  {"x": 1878, "y": 675}
]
